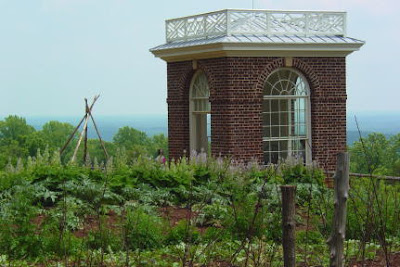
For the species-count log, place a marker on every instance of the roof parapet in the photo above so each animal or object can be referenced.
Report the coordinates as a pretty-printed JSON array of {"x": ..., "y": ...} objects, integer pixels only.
[{"x": 256, "y": 22}]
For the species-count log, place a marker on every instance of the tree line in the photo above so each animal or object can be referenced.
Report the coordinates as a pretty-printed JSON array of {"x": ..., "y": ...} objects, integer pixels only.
[{"x": 19, "y": 140}]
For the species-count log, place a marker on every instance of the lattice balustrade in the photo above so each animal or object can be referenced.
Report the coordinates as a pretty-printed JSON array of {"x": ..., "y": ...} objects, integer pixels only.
[
  {"x": 195, "y": 27},
  {"x": 258, "y": 22}
]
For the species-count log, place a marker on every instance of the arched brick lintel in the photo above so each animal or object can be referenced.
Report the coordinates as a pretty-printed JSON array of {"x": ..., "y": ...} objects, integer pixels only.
[
  {"x": 298, "y": 64},
  {"x": 182, "y": 81},
  {"x": 210, "y": 78},
  {"x": 276, "y": 64},
  {"x": 308, "y": 72},
  {"x": 186, "y": 80}
]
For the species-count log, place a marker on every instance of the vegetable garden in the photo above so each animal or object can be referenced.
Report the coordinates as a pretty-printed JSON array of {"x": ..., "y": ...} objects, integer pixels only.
[{"x": 193, "y": 212}]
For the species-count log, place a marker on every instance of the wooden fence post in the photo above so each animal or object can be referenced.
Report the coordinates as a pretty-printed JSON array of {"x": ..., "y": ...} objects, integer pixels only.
[
  {"x": 337, "y": 238},
  {"x": 288, "y": 225}
]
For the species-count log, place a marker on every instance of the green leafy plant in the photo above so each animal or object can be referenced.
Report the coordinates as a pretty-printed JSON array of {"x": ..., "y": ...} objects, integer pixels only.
[{"x": 142, "y": 229}]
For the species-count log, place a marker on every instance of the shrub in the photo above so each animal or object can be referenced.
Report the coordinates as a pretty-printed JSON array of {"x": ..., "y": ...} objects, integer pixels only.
[
  {"x": 142, "y": 229},
  {"x": 106, "y": 239},
  {"x": 294, "y": 172},
  {"x": 183, "y": 232},
  {"x": 18, "y": 233}
]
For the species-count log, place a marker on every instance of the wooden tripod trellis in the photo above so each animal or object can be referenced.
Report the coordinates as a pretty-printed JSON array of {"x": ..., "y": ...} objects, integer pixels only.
[{"x": 83, "y": 135}]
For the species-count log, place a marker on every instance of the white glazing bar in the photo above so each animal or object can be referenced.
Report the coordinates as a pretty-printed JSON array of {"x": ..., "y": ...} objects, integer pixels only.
[{"x": 257, "y": 22}]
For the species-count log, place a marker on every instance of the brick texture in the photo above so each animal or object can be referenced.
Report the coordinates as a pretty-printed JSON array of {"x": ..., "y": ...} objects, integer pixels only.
[{"x": 236, "y": 85}]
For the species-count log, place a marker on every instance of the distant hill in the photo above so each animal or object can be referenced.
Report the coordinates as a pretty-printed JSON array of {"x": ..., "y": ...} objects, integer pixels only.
[
  {"x": 383, "y": 122},
  {"x": 353, "y": 136},
  {"x": 387, "y": 123}
]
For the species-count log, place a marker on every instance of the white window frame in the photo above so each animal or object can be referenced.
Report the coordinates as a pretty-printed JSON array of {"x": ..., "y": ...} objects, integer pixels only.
[
  {"x": 307, "y": 106},
  {"x": 193, "y": 114}
]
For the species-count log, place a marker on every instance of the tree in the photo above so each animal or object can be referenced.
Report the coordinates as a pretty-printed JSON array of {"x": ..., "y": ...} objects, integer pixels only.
[
  {"x": 15, "y": 128},
  {"x": 10, "y": 152},
  {"x": 35, "y": 141},
  {"x": 158, "y": 141},
  {"x": 138, "y": 143},
  {"x": 394, "y": 155},
  {"x": 376, "y": 154},
  {"x": 56, "y": 133},
  {"x": 129, "y": 137},
  {"x": 14, "y": 136}
]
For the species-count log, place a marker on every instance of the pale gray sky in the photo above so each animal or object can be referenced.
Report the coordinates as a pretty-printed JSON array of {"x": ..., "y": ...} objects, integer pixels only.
[{"x": 53, "y": 53}]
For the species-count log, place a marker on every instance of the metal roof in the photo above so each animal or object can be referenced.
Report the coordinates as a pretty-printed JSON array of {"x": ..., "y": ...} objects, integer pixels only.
[{"x": 262, "y": 39}]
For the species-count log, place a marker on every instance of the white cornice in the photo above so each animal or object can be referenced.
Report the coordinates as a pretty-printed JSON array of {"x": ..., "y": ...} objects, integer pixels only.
[{"x": 256, "y": 50}]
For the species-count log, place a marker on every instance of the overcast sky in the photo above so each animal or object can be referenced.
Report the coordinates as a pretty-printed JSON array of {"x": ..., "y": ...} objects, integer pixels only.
[{"x": 53, "y": 53}]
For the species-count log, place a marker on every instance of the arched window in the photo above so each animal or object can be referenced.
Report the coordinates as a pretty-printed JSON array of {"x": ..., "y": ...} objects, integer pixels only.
[
  {"x": 286, "y": 117},
  {"x": 200, "y": 113}
]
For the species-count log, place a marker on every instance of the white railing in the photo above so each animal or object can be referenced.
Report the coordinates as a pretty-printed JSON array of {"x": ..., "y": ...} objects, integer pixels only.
[{"x": 256, "y": 22}]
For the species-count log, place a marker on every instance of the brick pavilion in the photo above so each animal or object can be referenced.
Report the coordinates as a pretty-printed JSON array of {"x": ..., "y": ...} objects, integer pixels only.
[{"x": 258, "y": 84}]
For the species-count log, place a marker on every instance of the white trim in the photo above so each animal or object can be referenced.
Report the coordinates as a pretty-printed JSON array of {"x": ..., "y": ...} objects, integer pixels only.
[
  {"x": 200, "y": 112},
  {"x": 256, "y": 10},
  {"x": 256, "y": 50},
  {"x": 199, "y": 98},
  {"x": 283, "y": 97}
]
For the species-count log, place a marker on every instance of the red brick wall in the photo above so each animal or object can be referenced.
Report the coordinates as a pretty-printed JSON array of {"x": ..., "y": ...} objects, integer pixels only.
[
  {"x": 236, "y": 86},
  {"x": 178, "y": 80}
]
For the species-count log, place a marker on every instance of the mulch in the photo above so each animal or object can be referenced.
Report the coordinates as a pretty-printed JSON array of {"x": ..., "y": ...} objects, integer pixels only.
[{"x": 378, "y": 261}]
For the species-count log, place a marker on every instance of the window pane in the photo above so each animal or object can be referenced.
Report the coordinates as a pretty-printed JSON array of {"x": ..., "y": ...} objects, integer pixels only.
[
  {"x": 209, "y": 128},
  {"x": 284, "y": 118},
  {"x": 284, "y": 122},
  {"x": 266, "y": 119},
  {"x": 283, "y": 145},
  {"x": 274, "y": 131},
  {"x": 302, "y": 116},
  {"x": 274, "y": 157},
  {"x": 266, "y": 131},
  {"x": 274, "y": 105},
  {"x": 301, "y": 130},
  {"x": 266, "y": 105},
  {"x": 204, "y": 105},
  {"x": 266, "y": 146},
  {"x": 274, "y": 146},
  {"x": 201, "y": 105},
  {"x": 299, "y": 149},
  {"x": 284, "y": 131},
  {"x": 283, "y": 155},
  {"x": 267, "y": 158},
  {"x": 275, "y": 119}
]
